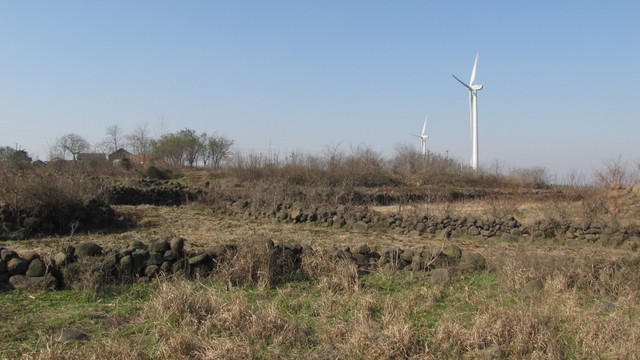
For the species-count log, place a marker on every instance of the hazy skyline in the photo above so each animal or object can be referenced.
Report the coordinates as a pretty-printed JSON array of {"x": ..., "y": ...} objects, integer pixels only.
[{"x": 559, "y": 78}]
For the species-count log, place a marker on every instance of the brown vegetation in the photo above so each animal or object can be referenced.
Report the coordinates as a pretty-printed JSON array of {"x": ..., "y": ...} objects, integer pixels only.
[{"x": 583, "y": 302}]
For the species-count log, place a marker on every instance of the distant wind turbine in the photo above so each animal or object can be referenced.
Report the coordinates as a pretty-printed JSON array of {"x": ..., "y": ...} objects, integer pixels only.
[
  {"x": 473, "y": 105},
  {"x": 423, "y": 137}
]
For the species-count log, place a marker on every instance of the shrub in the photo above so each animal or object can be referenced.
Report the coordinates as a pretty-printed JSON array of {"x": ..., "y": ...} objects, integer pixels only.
[{"x": 53, "y": 196}]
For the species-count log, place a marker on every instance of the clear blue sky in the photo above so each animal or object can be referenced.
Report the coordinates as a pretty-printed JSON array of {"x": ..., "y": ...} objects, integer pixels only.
[{"x": 561, "y": 77}]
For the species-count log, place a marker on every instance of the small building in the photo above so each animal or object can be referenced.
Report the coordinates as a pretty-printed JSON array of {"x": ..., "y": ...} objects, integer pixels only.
[
  {"x": 120, "y": 154},
  {"x": 124, "y": 154}
]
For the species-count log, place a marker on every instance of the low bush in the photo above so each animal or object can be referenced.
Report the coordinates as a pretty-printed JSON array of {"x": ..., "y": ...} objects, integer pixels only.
[{"x": 49, "y": 199}]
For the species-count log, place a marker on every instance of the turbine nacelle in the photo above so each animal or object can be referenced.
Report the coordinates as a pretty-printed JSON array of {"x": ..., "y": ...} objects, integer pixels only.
[{"x": 476, "y": 87}]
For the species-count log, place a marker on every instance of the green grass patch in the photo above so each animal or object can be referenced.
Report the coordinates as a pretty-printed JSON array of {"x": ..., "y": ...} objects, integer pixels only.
[{"x": 28, "y": 317}]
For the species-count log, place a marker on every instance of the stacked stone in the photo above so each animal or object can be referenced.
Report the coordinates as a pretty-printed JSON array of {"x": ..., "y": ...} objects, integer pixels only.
[
  {"x": 152, "y": 192},
  {"x": 369, "y": 260},
  {"x": 168, "y": 256},
  {"x": 25, "y": 272},
  {"x": 137, "y": 260},
  {"x": 362, "y": 219}
]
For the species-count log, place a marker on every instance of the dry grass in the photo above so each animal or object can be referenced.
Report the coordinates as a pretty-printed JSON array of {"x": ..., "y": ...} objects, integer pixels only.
[{"x": 588, "y": 308}]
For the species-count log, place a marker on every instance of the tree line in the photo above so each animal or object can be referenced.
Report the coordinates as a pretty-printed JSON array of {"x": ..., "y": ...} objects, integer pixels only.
[{"x": 182, "y": 148}]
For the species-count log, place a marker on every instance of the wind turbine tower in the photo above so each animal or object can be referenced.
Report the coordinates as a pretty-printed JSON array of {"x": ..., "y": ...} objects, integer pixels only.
[
  {"x": 473, "y": 108},
  {"x": 423, "y": 137}
]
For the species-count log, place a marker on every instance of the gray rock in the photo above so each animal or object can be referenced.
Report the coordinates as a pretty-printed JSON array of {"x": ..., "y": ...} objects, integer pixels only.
[
  {"x": 137, "y": 245},
  {"x": 22, "y": 282},
  {"x": 591, "y": 237},
  {"x": 160, "y": 246},
  {"x": 151, "y": 270},
  {"x": 453, "y": 251},
  {"x": 439, "y": 276},
  {"x": 140, "y": 258},
  {"x": 29, "y": 256},
  {"x": 166, "y": 267},
  {"x": 110, "y": 261},
  {"x": 360, "y": 226},
  {"x": 126, "y": 263},
  {"x": 363, "y": 249},
  {"x": 177, "y": 244},
  {"x": 17, "y": 266},
  {"x": 3, "y": 267},
  {"x": 531, "y": 288},
  {"x": 338, "y": 254},
  {"x": 361, "y": 260},
  {"x": 7, "y": 255},
  {"x": 70, "y": 250},
  {"x": 155, "y": 258},
  {"x": 178, "y": 267},
  {"x": 170, "y": 255},
  {"x": 472, "y": 262},
  {"x": 61, "y": 258},
  {"x": 88, "y": 249},
  {"x": 199, "y": 259},
  {"x": 407, "y": 256},
  {"x": 36, "y": 268}
]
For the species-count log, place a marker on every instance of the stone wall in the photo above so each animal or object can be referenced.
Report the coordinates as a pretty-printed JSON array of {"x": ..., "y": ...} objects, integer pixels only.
[
  {"x": 169, "y": 257},
  {"x": 152, "y": 192},
  {"x": 361, "y": 218},
  {"x": 507, "y": 228}
]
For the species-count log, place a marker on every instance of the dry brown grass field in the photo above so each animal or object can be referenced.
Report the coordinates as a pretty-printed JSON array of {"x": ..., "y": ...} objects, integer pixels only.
[{"x": 588, "y": 306}]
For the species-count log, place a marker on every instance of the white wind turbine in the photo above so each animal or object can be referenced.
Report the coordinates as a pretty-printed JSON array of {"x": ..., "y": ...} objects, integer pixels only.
[
  {"x": 473, "y": 105},
  {"x": 423, "y": 137}
]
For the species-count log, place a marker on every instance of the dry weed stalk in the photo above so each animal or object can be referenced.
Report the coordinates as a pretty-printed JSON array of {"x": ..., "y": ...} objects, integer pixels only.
[{"x": 333, "y": 274}]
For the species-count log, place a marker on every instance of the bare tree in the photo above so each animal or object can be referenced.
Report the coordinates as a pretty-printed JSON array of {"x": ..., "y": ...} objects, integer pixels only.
[
  {"x": 334, "y": 155},
  {"x": 114, "y": 137},
  {"x": 140, "y": 140},
  {"x": 73, "y": 144},
  {"x": 112, "y": 142},
  {"x": 615, "y": 171}
]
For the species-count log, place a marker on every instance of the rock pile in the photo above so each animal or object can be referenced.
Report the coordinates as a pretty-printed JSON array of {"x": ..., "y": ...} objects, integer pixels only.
[{"x": 25, "y": 272}]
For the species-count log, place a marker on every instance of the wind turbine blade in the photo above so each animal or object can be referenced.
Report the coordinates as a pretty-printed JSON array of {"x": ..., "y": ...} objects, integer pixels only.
[
  {"x": 418, "y": 136},
  {"x": 460, "y": 81},
  {"x": 473, "y": 73},
  {"x": 424, "y": 127}
]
